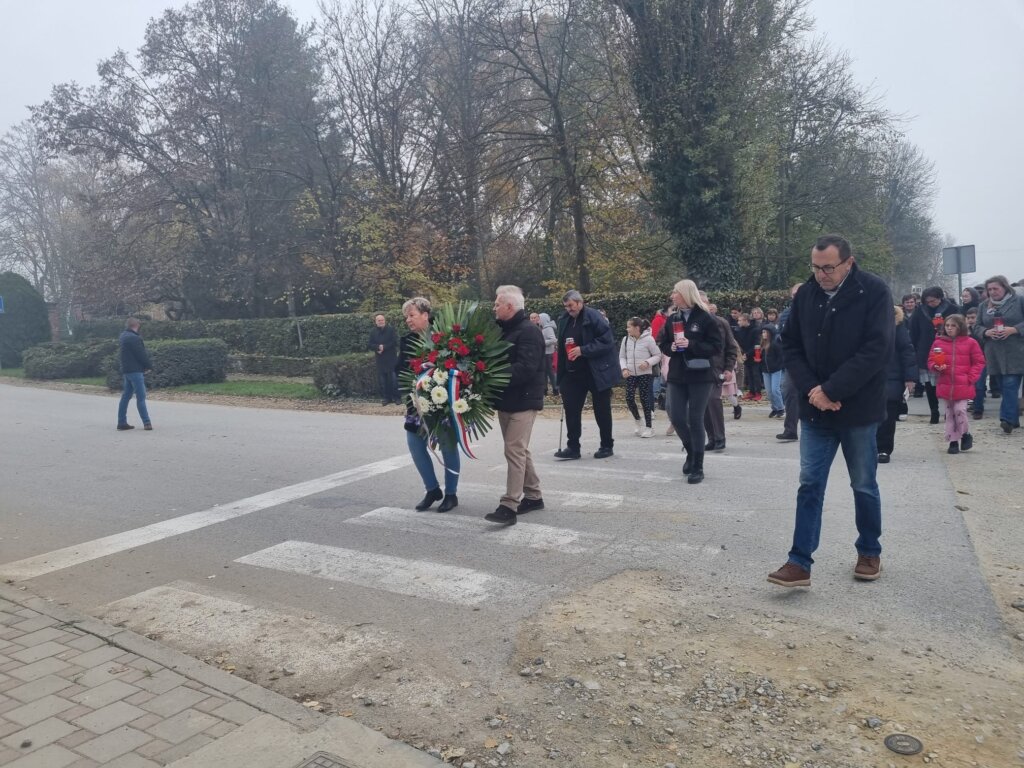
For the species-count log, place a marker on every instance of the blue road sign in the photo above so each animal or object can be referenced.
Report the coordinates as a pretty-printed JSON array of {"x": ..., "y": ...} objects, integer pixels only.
[{"x": 1, "y": 305}]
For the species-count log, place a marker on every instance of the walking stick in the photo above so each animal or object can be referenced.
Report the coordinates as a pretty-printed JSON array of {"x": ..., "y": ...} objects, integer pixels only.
[{"x": 561, "y": 423}]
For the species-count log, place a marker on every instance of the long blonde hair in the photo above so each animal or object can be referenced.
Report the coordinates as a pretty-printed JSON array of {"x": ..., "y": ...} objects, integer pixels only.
[{"x": 688, "y": 290}]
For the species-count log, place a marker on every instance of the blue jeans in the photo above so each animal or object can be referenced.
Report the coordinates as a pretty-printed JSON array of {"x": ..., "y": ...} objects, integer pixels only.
[
  {"x": 425, "y": 463},
  {"x": 133, "y": 382},
  {"x": 979, "y": 391},
  {"x": 1010, "y": 387},
  {"x": 773, "y": 385},
  {"x": 818, "y": 446}
]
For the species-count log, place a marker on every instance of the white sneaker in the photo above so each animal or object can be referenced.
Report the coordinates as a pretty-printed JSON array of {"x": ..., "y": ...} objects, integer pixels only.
[
  {"x": 647, "y": 432},
  {"x": 639, "y": 426}
]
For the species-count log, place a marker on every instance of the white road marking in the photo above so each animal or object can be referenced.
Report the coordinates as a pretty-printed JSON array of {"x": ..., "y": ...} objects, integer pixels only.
[
  {"x": 580, "y": 472},
  {"x": 39, "y": 565},
  {"x": 532, "y": 535},
  {"x": 570, "y": 498},
  {"x": 417, "y": 578},
  {"x": 711, "y": 456}
]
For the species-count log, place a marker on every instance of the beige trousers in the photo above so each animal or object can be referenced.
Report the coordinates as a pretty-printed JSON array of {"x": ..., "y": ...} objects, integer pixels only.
[{"x": 522, "y": 479}]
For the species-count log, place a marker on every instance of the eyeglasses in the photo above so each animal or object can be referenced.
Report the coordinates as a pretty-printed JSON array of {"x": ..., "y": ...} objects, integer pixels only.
[{"x": 827, "y": 269}]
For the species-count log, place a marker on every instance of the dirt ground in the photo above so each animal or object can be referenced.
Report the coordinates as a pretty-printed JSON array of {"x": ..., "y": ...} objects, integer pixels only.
[{"x": 596, "y": 680}]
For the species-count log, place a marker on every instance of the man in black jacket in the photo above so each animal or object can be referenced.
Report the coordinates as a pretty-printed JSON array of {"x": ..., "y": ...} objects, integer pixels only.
[
  {"x": 590, "y": 363},
  {"x": 724, "y": 365},
  {"x": 134, "y": 364},
  {"x": 837, "y": 343},
  {"x": 384, "y": 345},
  {"x": 519, "y": 405}
]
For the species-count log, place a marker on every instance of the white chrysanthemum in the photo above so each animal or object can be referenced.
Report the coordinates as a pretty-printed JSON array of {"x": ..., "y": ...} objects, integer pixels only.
[
  {"x": 460, "y": 405},
  {"x": 441, "y": 376},
  {"x": 424, "y": 404},
  {"x": 439, "y": 395}
]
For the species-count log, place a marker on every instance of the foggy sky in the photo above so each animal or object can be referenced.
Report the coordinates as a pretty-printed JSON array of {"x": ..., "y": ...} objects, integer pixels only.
[{"x": 954, "y": 69}]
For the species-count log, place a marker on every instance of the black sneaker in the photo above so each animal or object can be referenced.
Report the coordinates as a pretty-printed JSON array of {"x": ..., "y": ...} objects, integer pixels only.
[
  {"x": 123, "y": 427},
  {"x": 603, "y": 453},
  {"x": 967, "y": 442},
  {"x": 502, "y": 515},
  {"x": 528, "y": 505},
  {"x": 954, "y": 447},
  {"x": 1007, "y": 427},
  {"x": 737, "y": 411},
  {"x": 787, "y": 437},
  {"x": 934, "y": 419},
  {"x": 883, "y": 458},
  {"x": 566, "y": 453}
]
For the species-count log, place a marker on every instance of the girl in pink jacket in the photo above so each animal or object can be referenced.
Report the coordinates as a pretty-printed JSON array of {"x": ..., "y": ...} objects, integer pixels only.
[{"x": 958, "y": 361}]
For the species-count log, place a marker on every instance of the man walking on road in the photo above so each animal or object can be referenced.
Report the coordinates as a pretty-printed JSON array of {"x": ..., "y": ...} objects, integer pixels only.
[
  {"x": 790, "y": 397},
  {"x": 587, "y": 362},
  {"x": 134, "y": 364},
  {"x": 519, "y": 405},
  {"x": 837, "y": 342},
  {"x": 724, "y": 366},
  {"x": 384, "y": 345}
]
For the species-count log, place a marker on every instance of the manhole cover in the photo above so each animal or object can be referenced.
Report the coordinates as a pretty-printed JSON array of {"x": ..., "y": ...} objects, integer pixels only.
[
  {"x": 903, "y": 744},
  {"x": 324, "y": 760}
]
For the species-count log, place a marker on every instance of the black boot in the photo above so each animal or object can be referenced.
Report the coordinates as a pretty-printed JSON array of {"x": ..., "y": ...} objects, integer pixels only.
[
  {"x": 450, "y": 502},
  {"x": 933, "y": 402},
  {"x": 697, "y": 474},
  {"x": 429, "y": 499},
  {"x": 688, "y": 464}
]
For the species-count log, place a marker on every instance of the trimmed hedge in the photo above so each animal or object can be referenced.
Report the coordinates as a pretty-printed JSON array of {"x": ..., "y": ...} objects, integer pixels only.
[
  {"x": 193, "y": 361},
  {"x": 25, "y": 320},
  {"x": 352, "y": 375},
  {"x": 61, "y": 360},
  {"x": 268, "y": 365},
  {"x": 333, "y": 335}
]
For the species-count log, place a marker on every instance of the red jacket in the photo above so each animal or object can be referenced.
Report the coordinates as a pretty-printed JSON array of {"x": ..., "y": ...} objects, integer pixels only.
[{"x": 964, "y": 362}]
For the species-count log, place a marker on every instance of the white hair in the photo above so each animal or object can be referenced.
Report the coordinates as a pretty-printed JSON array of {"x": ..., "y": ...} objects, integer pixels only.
[{"x": 512, "y": 294}]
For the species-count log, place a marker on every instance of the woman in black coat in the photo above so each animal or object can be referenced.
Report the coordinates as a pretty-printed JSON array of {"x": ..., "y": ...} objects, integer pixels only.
[
  {"x": 900, "y": 375},
  {"x": 924, "y": 323},
  {"x": 689, "y": 339}
]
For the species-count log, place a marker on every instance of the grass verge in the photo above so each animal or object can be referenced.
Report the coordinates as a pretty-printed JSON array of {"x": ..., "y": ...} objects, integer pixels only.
[
  {"x": 283, "y": 389},
  {"x": 12, "y": 373}
]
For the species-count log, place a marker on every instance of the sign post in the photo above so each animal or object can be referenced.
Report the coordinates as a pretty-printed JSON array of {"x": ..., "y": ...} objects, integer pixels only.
[
  {"x": 956, "y": 261},
  {"x": 1, "y": 312}
]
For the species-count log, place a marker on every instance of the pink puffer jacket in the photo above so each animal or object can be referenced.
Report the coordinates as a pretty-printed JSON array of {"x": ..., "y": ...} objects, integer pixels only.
[{"x": 964, "y": 360}]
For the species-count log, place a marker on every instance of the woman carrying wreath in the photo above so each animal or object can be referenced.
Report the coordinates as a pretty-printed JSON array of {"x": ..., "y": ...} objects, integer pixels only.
[{"x": 417, "y": 318}]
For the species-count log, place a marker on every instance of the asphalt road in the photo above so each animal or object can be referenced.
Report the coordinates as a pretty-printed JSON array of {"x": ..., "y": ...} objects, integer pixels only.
[{"x": 308, "y": 512}]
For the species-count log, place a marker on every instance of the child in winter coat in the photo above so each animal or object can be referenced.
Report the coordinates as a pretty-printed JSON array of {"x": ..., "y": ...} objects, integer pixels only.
[
  {"x": 958, "y": 361},
  {"x": 638, "y": 354},
  {"x": 771, "y": 369}
]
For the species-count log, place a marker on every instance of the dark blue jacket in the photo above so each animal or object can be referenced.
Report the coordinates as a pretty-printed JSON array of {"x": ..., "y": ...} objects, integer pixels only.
[
  {"x": 134, "y": 358},
  {"x": 902, "y": 365},
  {"x": 593, "y": 336},
  {"x": 527, "y": 365},
  {"x": 844, "y": 345}
]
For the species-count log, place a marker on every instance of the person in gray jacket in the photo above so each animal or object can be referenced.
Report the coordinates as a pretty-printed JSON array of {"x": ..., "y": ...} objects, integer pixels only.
[{"x": 548, "y": 329}]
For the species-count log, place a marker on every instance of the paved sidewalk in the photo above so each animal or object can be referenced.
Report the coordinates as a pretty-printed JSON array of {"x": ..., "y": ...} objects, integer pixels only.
[{"x": 78, "y": 693}]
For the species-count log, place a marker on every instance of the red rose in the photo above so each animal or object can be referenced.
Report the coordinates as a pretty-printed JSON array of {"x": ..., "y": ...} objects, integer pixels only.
[
  {"x": 449, "y": 363},
  {"x": 481, "y": 365},
  {"x": 435, "y": 337},
  {"x": 454, "y": 343},
  {"x": 465, "y": 379},
  {"x": 456, "y": 327},
  {"x": 417, "y": 364},
  {"x": 463, "y": 350},
  {"x": 432, "y": 356},
  {"x": 479, "y": 338}
]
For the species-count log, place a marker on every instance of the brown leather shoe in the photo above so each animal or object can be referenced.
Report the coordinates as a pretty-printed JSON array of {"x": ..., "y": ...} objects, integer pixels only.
[
  {"x": 791, "y": 575},
  {"x": 148, "y": 427},
  {"x": 867, "y": 568}
]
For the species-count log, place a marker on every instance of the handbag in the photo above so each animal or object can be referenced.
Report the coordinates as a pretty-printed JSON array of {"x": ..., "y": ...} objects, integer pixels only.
[{"x": 696, "y": 363}]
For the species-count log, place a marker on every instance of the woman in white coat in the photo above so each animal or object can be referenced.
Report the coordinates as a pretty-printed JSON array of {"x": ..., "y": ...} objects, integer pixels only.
[{"x": 638, "y": 354}]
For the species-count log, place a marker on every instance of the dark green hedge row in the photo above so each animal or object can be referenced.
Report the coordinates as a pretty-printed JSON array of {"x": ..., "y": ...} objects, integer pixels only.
[
  {"x": 331, "y": 335},
  {"x": 269, "y": 365},
  {"x": 25, "y": 320},
  {"x": 193, "y": 361},
  {"x": 353, "y": 375},
  {"x": 61, "y": 360}
]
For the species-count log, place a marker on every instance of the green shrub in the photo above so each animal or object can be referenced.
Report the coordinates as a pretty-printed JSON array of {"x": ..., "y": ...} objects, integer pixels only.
[
  {"x": 192, "y": 361},
  {"x": 25, "y": 320},
  {"x": 270, "y": 365},
  {"x": 60, "y": 360},
  {"x": 352, "y": 375}
]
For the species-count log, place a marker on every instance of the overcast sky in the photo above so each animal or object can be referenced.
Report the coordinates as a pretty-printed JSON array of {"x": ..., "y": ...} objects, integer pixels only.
[{"x": 955, "y": 69}]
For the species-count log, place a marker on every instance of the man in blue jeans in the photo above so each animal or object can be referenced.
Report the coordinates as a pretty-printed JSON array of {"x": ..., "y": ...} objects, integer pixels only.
[
  {"x": 134, "y": 364},
  {"x": 836, "y": 344}
]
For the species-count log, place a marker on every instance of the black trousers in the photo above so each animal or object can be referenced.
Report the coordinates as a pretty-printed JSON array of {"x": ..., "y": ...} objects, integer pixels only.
[
  {"x": 387, "y": 381},
  {"x": 644, "y": 385},
  {"x": 714, "y": 415},
  {"x": 753, "y": 371},
  {"x": 791, "y": 399},
  {"x": 686, "y": 406},
  {"x": 574, "y": 389},
  {"x": 886, "y": 436}
]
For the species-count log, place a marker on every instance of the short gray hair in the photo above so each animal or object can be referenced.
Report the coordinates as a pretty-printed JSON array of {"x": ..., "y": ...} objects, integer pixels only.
[
  {"x": 419, "y": 302},
  {"x": 513, "y": 294},
  {"x": 572, "y": 295},
  {"x": 132, "y": 323}
]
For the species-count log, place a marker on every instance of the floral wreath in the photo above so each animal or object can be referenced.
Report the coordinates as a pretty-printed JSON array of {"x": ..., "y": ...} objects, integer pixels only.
[{"x": 456, "y": 375}]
